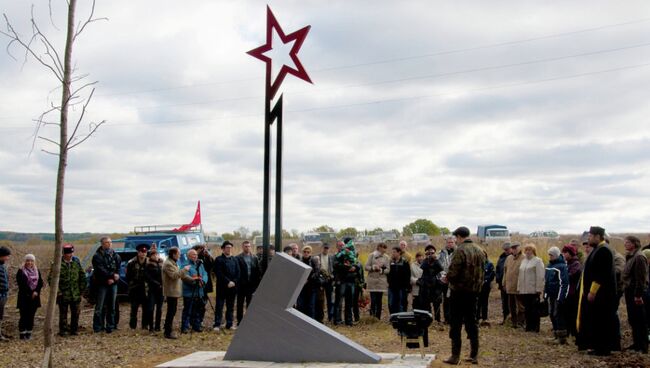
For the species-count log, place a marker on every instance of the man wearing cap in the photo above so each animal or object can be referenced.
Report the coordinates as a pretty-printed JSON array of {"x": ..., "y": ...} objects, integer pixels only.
[
  {"x": 465, "y": 278},
  {"x": 136, "y": 277},
  {"x": 106, "y": 273},
  {"x": 574, "y": 267},
  {"x": 596, "y": 321},
  {"x": 501, "y": 262},
  {"x": 226, "y": 268},
  {"x": 72, "y": 284},
  {"x": 250, "y": 276},
  {"x": 326, "y": 262},
  {"x": 5, "y": 253},
  {"x": 510, "y": 281}
]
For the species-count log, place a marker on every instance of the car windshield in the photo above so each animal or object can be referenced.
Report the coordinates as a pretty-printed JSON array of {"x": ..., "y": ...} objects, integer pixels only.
[
  {"x": 419, "y": 237},
  {"x": 312, "y": 238}
]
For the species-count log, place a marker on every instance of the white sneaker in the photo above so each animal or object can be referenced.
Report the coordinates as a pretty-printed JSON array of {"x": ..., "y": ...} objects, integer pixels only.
[
  {"x": 216, "y": 329},
  {"x": 233, "y": 328}
]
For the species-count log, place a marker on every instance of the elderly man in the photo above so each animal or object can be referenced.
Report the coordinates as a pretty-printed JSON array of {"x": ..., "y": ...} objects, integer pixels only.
[
  {"x": 295, "y": 251},
  {"x": 5, "y": 253},
  {"x": 635, "y": 279},
  {"x": 193, "y": 294},
  {"x": 465, "y": 278},
  {"x": 597, "y": 318},
  {"x": 250, "y": 276},
  {"x": 510, "y": 280},
  {"x": 106, "y": 273},
  {"x": 326, "y": 262},
  {"x": 172, "y": 287},
  {"x": 72, "y": 283}
]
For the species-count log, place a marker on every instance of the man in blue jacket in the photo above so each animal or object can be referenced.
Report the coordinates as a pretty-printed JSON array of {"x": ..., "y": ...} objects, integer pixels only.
[
  {"x": 5, "y": 253},
  {"x": 226, "y": 268},
  {"x": 194, "y": 282}
]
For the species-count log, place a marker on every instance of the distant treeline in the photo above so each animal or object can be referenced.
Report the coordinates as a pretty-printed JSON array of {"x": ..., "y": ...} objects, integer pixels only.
[{"x": 24, "y": 237}]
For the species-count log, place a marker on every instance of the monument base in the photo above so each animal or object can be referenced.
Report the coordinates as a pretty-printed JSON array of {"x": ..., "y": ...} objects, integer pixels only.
[{"x": 214, "y": 359}]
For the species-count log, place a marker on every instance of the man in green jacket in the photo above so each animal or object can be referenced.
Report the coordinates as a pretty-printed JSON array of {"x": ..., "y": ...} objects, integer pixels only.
[
  {"x": 465, "y": 278},
  {"x": 72, "y": 284}
]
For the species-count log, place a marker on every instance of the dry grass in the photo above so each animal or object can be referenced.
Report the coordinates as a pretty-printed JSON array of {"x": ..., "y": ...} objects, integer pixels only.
[{"x": 500, "y": 346}]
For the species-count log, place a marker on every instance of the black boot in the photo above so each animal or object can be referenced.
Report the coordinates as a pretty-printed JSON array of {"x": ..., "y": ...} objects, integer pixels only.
[{"x": 473, "y": 354}]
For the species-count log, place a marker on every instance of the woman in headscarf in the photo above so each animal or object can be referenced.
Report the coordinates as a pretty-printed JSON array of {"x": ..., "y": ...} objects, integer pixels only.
[{"x": 30, "y": 283}]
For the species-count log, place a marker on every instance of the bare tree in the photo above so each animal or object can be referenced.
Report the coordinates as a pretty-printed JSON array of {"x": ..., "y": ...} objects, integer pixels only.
[{"x": 74, "y": 91}]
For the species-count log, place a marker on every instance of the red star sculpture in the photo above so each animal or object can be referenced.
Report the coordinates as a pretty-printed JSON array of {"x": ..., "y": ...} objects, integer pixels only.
[{"x": 297, "y": 36}]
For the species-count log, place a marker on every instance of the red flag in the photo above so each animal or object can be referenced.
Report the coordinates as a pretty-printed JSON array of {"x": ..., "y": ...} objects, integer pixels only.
[{"x": 195, "y": 222}]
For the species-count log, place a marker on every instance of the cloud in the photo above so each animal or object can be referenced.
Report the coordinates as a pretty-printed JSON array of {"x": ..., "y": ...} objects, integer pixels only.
[{"x": 532, "y": 116}]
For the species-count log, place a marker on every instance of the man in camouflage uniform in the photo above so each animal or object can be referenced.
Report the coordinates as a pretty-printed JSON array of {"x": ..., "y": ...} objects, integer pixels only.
[
  {"x": 465, "y": 278},
  {"x": 72, "y": 284}
]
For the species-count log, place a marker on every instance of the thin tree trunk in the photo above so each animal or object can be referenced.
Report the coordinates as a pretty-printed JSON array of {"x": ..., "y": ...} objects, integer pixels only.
[{"x": 48, "y": 329}]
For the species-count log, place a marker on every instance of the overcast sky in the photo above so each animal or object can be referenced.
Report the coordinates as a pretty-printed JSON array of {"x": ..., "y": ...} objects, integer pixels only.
[{"x": 525, "y": 113}]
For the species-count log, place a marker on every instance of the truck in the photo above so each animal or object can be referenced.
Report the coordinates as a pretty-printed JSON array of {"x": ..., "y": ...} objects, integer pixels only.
[
  {"x": 490, "y": 233},
  {"x": 316, "y": 239},
  {"x": 420, "y": 239},
  {"x": 163, "y": 236}
]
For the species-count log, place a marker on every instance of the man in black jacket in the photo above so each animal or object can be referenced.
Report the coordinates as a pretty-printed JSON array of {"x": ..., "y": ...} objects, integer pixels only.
[
  {"x": 499, "y": 277},
  {"x": 429, "y": 283},
  {"x": 226, "y": 268},
  {"x": 137, "y": 279},
  {"x": 399, "y": 282},
  {"x": 106, "y": 274},
  {"x": 249, "y": 278}
]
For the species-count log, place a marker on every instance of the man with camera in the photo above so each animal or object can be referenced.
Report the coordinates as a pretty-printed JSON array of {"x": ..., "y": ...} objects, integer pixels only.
[{"x": 193, "y": 293}]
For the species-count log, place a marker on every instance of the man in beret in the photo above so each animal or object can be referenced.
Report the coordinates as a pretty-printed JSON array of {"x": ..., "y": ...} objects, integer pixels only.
[
  {"x": 597, "y": 318},
  {"x": 5, "y": 253},
  {"x": 72, "y": 284},
  {"x": 465, "y": 278},
  {"x": 226, "y": 269},
  {"x": 136, "y": 276}
]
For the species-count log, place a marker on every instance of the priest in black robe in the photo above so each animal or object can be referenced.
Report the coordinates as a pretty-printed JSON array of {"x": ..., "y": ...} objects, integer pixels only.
[{"x": 597, "y": 309}]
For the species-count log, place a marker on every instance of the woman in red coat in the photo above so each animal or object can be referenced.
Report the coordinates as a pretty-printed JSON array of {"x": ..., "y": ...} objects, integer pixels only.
[{"x": 30, "y": 283}]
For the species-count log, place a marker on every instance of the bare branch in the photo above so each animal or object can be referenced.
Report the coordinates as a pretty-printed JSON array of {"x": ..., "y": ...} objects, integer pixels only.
[
  {"x": 92, "y": 131},
  {"x": 49, "y": 140},
  {"x": 44, "y": 39},
  {"x": 83, "y": 112},
  {"x": 81, "y": 27},
  {"x": 39, "y": 123},
  {"x": 49, "y": 5},
  {"x": 15, "y": 38},
  {"x": 51, "y": 153}
]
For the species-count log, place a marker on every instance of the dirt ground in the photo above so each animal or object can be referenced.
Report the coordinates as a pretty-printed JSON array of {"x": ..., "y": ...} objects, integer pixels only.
[{"x": 499, "y": 346}]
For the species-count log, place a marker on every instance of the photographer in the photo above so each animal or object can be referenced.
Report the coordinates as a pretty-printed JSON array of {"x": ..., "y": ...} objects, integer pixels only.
[
  {"x": 378, "y": 266},
  {"x": 430, "y": 284},
  {"x": 193, "y": 293}
]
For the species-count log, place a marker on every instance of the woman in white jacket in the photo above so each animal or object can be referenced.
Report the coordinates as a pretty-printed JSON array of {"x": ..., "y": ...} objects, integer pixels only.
[{"x": 530, "y": 285}]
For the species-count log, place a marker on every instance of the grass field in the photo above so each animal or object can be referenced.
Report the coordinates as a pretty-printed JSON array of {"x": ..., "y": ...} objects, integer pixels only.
[{"x": 500, "y": 346}]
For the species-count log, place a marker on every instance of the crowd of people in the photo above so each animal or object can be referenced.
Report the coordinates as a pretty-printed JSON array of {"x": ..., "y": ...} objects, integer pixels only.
[{"x": 579, "y": 289}]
